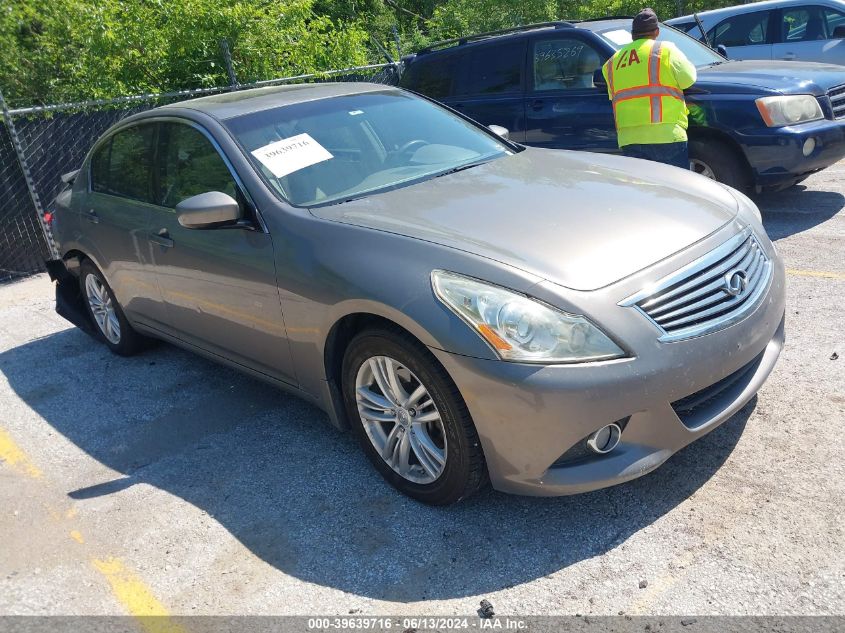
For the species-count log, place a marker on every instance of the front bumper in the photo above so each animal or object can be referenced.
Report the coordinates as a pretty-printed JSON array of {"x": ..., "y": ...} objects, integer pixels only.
[
  {"x": 529, "y": 417},
  {"x": 776, "y": 154}
]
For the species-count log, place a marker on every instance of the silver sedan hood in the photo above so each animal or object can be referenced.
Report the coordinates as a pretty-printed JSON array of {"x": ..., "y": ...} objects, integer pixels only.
[{"x": 578, "y": 219}]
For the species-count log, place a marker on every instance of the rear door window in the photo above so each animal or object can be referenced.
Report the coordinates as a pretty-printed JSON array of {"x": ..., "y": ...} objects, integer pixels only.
[
  {"x": 497, "y": 69},
  {"x": 747, "y": 29},
  {"x": 123, "y": 166},
  {"x": 805, "y": 24}
]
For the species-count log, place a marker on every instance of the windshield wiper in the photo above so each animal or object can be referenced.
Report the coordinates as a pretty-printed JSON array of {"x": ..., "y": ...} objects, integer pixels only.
[
  {"x": 369, "y": 192},
  {"x": 462, "y": 167}
]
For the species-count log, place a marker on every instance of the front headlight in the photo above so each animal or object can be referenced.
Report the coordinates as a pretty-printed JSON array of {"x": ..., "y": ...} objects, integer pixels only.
[
  {"x": 522, "y": 329},
  {"x": 789, "y": 109}
]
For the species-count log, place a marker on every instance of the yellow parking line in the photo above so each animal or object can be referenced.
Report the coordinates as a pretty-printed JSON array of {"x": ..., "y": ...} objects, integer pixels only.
[
  {"x": 136, "y": 597},
  {"x": 13, "y": 455},
  {"x": 129, "y": 590},
  {"x": 825, "y": 274}
]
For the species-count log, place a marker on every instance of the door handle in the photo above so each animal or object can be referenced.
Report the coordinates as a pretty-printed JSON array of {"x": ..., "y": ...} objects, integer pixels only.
[
  {"x": 162, "y": 238},
  {"x": 537, "y": 104},
  {"x": 789, "y": 56},
  {"x": 92, "y": 216}
]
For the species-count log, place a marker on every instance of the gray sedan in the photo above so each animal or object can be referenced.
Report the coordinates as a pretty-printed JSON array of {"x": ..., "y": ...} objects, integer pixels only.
[
  {"x": 799, "y": 30},
  {"x": 550, "y": 322}
]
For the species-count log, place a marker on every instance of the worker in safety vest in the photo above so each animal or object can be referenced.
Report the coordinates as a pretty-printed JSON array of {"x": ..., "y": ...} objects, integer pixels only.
[{"x": 645, "y": 81}]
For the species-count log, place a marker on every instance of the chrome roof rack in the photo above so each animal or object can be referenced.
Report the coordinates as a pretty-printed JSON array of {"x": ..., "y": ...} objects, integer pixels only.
[{"x": 459, "y": 41}]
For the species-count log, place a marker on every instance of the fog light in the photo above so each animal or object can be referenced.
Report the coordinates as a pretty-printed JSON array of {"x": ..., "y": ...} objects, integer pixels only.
[
  {"x": 605, "y": 439},
  {"x": 809, "y": 146}
]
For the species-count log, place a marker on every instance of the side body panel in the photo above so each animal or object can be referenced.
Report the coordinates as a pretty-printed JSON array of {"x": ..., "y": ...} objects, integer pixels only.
[
  {"x": 111, "y": 231},
  {"x": 219, "y": 286}
]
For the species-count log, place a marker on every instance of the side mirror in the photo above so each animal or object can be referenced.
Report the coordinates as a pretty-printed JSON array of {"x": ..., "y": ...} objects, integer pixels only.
[
  {"x": 498, "y": 130},
  {"x": 722, "y": 50},
  {"x": 207, "y": 210},
  {"x": 838, "y": 33},
  {"x": 598, "y": 79}
]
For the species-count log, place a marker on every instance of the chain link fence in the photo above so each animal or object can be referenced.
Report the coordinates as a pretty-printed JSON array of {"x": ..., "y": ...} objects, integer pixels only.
[{"x": 39, "y": 144}]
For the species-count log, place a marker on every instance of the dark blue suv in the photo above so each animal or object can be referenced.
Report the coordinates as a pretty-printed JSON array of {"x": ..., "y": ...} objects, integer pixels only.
[{"x": 753, "y": 124}]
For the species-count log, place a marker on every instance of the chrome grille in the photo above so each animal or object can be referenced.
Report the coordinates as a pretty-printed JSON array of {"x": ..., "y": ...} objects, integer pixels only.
[
  {"x": 837, "y": 100},
  {"x": 709, "y": 294}
]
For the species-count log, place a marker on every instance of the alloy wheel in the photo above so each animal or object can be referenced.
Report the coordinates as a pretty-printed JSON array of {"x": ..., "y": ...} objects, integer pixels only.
[
  {"x": 102, "y": 307},
  {"x": 702, "y": 168},
  {"x": 400, "y": 419}
]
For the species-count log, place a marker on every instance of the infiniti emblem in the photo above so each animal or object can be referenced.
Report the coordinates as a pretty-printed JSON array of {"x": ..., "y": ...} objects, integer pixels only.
[{"x": 736, "y": 282}]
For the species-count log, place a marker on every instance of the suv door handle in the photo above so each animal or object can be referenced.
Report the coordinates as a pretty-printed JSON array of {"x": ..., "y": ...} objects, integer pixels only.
[
  {"x": 789, "y": 56},
  {"x": 537, "y": 104},
  {"x": 92, "y": 216},
  {"x": 162, "y": 238}
]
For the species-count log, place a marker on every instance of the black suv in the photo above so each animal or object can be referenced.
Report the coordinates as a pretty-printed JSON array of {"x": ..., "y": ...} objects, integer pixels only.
[{"x": 543, "y": 83}]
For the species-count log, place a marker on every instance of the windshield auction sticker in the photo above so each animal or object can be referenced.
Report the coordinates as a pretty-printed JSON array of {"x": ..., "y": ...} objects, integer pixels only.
[{"x": 291, "y": 154}]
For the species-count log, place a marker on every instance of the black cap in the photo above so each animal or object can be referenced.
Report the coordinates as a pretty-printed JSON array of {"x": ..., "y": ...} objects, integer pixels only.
[{"x": 644, "y": 22}]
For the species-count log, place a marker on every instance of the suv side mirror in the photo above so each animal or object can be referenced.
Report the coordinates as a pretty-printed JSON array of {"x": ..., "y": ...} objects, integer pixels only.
[
  {"x": 207, "y": 210},
  {"x": 500, "y": 131},
  {"x": 598, "y": 79},
  {"x": 838, "y": 33},
  {"x": 722, "y": 50}
]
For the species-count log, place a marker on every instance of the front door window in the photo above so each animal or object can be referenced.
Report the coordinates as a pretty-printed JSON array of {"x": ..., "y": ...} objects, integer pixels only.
[{"x": 564, "y": 64}]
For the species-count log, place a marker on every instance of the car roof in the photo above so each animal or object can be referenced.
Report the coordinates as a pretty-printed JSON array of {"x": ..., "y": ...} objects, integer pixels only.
[
  {"x": 232, "y": 104},
  {"x": 446, "y": 47},
  {"x": 605, "y": 24},
  {"x": 715, "y": 14}
]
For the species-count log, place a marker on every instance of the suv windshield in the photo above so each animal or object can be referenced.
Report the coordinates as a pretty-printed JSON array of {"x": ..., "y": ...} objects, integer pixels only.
[
  {"x": 336, "y": 149},
  {"x": 698, "y": 54}
]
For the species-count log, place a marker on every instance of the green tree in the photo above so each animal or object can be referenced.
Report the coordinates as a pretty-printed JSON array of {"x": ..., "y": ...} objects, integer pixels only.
[
  {"x": 87, "y": 49},
  {"x": 67, "y": 50}
]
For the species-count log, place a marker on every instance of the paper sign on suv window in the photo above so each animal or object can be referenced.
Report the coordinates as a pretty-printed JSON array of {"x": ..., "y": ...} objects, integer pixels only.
[{"x": 291, "y": 154}]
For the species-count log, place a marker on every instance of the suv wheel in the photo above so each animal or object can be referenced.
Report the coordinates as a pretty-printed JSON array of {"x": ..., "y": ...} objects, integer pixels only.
[{"x": 717, "y": 161}]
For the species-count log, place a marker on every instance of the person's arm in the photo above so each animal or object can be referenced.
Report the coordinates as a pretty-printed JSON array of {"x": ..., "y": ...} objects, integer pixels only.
[
  {"x": 606, "y": 80},
  {"x": 684, "y": 71}
]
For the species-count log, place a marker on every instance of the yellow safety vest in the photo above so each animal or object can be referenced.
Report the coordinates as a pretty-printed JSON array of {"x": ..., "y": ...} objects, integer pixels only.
[{"x": 648, "y": 105}]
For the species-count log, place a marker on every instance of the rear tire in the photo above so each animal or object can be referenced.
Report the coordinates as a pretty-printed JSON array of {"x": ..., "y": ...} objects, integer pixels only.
[
  {"x": 443, "y": 460},
  {"x": 110, "y": 324},
  {"x": 717, "y": 160}
]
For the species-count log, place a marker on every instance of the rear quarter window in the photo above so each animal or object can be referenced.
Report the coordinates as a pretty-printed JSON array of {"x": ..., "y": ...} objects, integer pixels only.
[
  {"x": 686, "y": 27},
  {"x": 100, "y": 168},
  {"x": 433, "y": 77}
]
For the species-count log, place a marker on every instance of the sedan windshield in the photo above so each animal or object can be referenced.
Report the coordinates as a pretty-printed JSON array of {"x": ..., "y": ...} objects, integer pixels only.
[
  {"x": 340, "y": 148},
  {"x": 698, "y": 54}
]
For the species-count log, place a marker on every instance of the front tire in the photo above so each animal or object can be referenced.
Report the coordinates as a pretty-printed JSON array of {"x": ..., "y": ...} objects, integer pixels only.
[
  {"x": 110, "y": 324},
  {"x": 410, "y": 418},
  {"x": 718, "y": 161}
]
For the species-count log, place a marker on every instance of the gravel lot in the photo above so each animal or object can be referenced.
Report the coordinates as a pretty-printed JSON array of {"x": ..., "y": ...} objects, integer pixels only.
[{"x": 169, "y": 483}]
